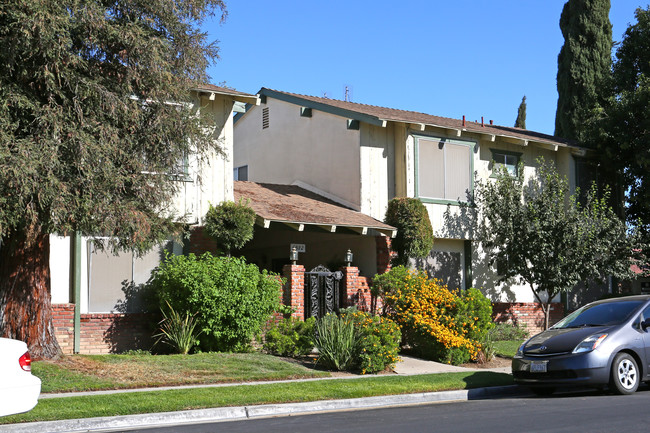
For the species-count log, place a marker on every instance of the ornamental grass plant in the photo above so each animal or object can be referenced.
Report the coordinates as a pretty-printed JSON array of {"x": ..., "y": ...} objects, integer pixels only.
[
  {"x": 337, "y": 342},
  {"x": 177, "y": 331}
]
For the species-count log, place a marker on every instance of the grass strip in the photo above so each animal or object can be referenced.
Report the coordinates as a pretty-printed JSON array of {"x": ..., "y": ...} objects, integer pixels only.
[
  {"x": 506, "y": 348},
  {"x": 186, "y": 399},
  {"x": 99, "y": 372}
]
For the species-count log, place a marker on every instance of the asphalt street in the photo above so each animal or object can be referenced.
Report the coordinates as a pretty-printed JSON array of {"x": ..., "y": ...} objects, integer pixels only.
[{"x": 587, "y": 411}]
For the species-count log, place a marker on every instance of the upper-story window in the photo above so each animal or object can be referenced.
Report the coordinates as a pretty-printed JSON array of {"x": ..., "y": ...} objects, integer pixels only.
[
  {"x": 444, "y": 169},
  {"x": 240, "y": 173},
  {"x": 504, "y": 158}
]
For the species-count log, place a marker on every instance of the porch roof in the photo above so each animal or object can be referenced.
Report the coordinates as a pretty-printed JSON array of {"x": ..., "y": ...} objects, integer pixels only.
[{"x": 297, "y": 207}]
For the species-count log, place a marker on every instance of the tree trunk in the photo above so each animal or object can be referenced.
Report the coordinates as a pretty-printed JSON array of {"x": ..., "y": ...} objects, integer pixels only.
[{"x": 25, "y": 304}]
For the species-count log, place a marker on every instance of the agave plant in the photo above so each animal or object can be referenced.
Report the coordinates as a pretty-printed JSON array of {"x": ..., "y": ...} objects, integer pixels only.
[
  {"x": 336, "y": 341},
  {"x": 177, "y": 331}
]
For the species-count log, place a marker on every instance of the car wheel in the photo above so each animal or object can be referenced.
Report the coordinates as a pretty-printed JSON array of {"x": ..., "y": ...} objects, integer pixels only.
[
  {"x": 625, "y": 374},
  {"x": 542, "y": 391}
]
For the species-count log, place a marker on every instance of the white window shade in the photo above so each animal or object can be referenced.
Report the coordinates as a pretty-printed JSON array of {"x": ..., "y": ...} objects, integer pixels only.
[{"x": 444, "y": 168}]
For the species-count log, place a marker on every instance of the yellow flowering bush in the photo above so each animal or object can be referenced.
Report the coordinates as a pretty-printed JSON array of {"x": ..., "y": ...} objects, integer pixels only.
[
  {"x": 436, "y": 323},
  {"x": 378, "y": 341}
]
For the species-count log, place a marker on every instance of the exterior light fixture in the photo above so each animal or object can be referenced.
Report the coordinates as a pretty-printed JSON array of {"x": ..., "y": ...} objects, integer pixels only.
[
  {"x": 293, "y": 256},
  {"x": 349, "y": 257}
]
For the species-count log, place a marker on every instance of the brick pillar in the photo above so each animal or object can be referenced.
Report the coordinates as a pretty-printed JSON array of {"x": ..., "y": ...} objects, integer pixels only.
[
  {"x": 63, "y": 322},
  {"x": 355, "y": 290},
  {"x": 349, "y": 285},
  {"x": 294, "y": 289},
  {"x": 384, "y": 253}
]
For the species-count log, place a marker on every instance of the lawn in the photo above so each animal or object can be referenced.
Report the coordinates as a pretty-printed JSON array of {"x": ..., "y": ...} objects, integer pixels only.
[
  {"x": 508, "y": 348},
  {"x": 99, "y": 372},
  {"x": 185, "y": 399}
]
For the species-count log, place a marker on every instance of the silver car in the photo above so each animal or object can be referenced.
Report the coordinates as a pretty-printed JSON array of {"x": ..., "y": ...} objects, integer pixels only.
[{"x": 603, "y": 344}]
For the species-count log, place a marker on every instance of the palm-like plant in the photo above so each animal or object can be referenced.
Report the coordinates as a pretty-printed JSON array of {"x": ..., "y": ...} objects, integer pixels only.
[{"x": 177, "y": 331}]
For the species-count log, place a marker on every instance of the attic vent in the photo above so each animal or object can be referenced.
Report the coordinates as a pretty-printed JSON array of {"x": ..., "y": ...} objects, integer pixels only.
[{"x": 265, "y": 117}]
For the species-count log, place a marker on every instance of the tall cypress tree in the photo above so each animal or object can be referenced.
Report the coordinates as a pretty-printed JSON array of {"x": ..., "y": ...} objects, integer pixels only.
[
  {"x": 521, "y": 114},
  {"x": 584, "y": 62}
]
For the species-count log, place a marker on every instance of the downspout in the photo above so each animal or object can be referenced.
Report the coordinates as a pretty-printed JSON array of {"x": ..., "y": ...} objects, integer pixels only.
[
  {"x": 468, "y": 264},
  {"x": 76, "y": 288}
]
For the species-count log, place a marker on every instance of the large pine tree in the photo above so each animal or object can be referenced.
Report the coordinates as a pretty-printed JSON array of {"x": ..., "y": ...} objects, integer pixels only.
[
  {"x": 95, "y": 110},
  {"x": 583, "y": 63}
]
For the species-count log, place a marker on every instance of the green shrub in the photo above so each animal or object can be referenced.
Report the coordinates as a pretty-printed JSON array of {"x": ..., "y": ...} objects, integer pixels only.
[
  {"x": 474, "y": 313},
  {"x": 290, "y": 337},
  {"x": 414, "y": 232},
  {"x": 230, "y": 224},
  {"x": 378, "y": 341},
  {"x": 231, "y": 299},
  {"x": 508, "y": 331},
  {"x": 337, "y": 342},
  {"x": 178, "y": 332}
]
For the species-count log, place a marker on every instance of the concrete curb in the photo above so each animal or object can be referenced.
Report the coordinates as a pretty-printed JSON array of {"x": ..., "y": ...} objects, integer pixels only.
[{"x": 257, "y": 411}]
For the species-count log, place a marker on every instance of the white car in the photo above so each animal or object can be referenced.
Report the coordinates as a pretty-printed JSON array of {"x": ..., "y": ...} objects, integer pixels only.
[{"x": 19, "y": 389}]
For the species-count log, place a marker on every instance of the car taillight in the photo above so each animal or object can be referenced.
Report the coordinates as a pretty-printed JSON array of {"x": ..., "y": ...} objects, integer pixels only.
[{"x": 25, "y": 362}]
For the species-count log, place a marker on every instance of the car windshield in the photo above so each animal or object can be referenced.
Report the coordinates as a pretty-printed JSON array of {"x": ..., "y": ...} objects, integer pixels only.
[{"x": 606, "y": 314}]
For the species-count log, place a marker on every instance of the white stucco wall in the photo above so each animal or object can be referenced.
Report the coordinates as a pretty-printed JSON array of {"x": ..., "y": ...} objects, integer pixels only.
[{"x": 318, "y": 150}]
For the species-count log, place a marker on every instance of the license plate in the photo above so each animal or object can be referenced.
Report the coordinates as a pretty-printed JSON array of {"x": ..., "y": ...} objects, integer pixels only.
[{"x": 538, "y": 366}]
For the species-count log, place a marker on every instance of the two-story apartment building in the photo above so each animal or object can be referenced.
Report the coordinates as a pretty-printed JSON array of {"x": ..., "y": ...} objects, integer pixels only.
[
  {"x": 361, "y": 156},
  {"x": 105, "y": 290}
]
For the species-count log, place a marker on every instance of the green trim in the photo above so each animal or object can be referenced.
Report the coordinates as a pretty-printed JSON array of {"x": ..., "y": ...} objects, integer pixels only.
[
  {"x": 517, "y": 155},
  {"x": 320, "y": 106},
  {"x": 436, "y": 200},
  {"x": 75, "y": 243}
]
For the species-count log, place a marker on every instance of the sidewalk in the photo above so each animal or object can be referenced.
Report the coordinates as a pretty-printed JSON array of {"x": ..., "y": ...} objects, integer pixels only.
[{"x": 408, "y": 366}]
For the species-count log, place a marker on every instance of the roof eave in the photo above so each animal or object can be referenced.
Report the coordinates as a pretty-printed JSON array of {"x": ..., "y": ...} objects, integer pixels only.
[
  {"x": 239, "y": 97},
  {"x": 303, "y": 102},
  {"x": 553, "y": 146},
  {"x": 329, "y": 227}
]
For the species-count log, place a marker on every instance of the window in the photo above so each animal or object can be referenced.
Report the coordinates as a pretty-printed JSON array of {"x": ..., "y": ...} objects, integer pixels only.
[
  {"x": 241, "y": 173},
  {"x": 182, "y": 169},
  {"x": 503, "y": 158},
  {"x": 444, "y": 169}
]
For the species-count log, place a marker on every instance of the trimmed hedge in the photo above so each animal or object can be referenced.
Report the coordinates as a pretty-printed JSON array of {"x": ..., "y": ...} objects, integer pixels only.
[{"x": 414, "y": 238}]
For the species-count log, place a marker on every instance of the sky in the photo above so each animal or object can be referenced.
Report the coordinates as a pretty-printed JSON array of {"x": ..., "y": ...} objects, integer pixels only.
[{"x": 476, "y": 58}]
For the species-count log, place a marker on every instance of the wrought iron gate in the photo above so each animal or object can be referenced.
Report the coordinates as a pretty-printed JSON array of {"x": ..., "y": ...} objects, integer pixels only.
[{"x": 322, "y": 291}]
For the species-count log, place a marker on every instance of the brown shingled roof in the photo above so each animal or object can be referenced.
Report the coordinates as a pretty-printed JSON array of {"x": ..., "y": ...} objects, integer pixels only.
[
  {"x": 395, "y": 115},
  {"x": 225, "y": 91},
  {"x": 293, "y": 204}
]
